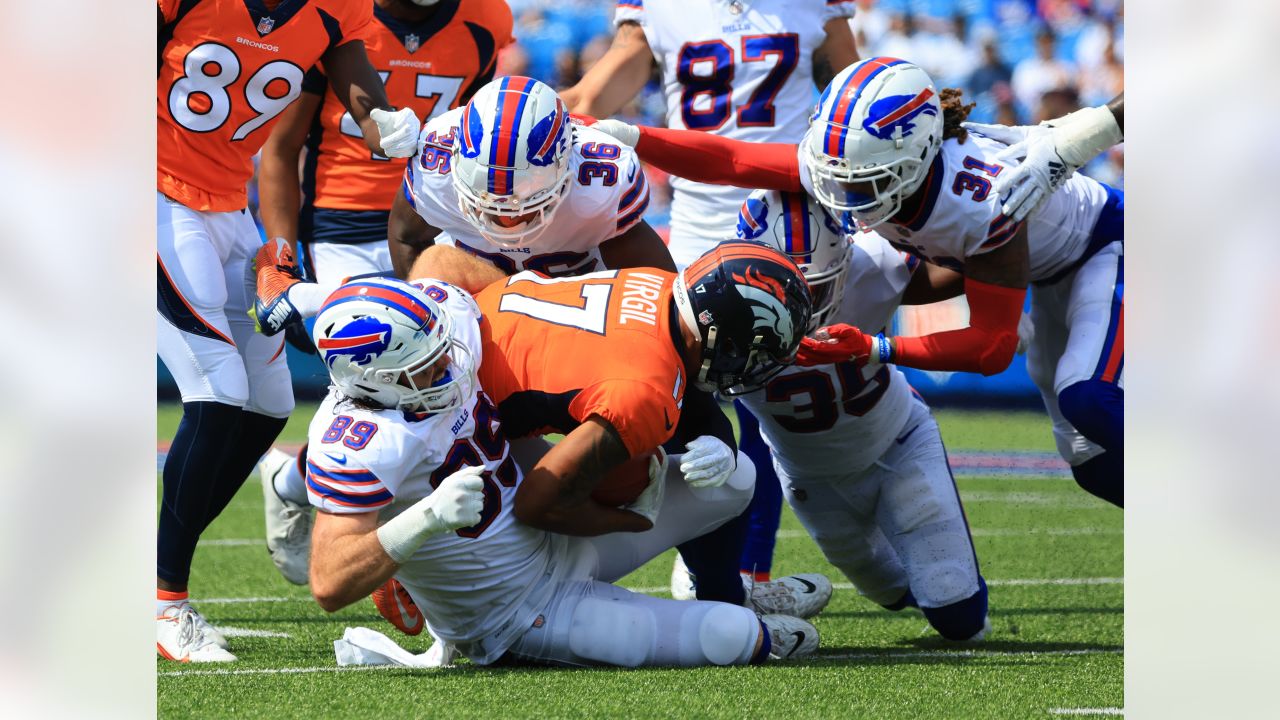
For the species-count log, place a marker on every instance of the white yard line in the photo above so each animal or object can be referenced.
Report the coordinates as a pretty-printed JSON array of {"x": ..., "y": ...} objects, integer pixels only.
[
  {"x": 666, "y": 589},
  {"x": 279, "y": 671},
  {"x": 1087, "y": 711},
  {"x": 246, "y": 632},
  {"x": 232, "y": 542}
]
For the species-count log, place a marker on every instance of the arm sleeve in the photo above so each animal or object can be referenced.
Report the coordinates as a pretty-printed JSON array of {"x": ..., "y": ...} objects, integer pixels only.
[
  {"x": 707, "y": 158},
  {"x": 701, "y": 416},
  {"x": 986, "y": 346},
  {"x": 643, "y": 416}
]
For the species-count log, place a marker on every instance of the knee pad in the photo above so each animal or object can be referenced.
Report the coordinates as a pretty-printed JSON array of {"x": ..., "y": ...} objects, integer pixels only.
[
  {"x": 1103, "y": 477},
  {"x": 1096, "y": 409},
  {"x": 960, "y": 620},
  {"x": 613, "y": 633},
  {"x": 726, "y": 636}
]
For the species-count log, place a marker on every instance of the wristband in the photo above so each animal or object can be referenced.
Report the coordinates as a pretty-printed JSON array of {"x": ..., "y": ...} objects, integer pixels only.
[
  {"x": 402, "y": 535},
  {"x": 1087, "y": 133},
  {"x": 881, "y": 349}
]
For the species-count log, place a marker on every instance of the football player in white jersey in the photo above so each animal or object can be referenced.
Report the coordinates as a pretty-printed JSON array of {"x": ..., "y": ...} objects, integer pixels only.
[
  {"x": 888, "y": 147},
  {"x": 734, "y": 68},
  {"x": 857, "y": 450},
  {"x": 388, "y": 470}
]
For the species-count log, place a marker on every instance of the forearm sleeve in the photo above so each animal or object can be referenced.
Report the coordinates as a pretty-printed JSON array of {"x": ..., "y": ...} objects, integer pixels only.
[
  {"x": 986, "y": 346},
  {"x": 707, "y": 158},
  {"x": 701, "y": 415}
]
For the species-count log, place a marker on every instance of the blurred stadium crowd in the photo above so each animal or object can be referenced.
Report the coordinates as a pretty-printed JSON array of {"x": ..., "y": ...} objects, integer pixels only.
[{"x": 1021, "y": 61}]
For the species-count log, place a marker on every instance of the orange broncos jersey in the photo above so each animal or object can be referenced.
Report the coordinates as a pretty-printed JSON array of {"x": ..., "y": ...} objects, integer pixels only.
[
  {"x": 431, "y": 67},
  {"x": 558, "y": 350},
  {"x": 228, "y": 68}
]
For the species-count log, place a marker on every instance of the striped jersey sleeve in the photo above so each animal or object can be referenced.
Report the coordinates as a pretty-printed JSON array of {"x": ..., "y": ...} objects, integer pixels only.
[
  {"x": 628, "y": 11},
  {"x": 1000, "y": 231},
  {"x": 838, "y": 9},
  {"x": 339, "y": 489},
  {"x": 635, "y": 199}
]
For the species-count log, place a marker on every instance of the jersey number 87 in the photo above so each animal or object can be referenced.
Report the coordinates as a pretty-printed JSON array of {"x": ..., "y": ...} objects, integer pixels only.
[{"x": 717, "y": 85}]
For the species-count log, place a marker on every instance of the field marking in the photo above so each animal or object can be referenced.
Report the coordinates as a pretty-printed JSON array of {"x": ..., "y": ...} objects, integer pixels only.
[
  {"x": 967, "y": 653},
  {"x": 1087, "y": 711},
  {"x": 247, "y": 632},
  {"x": 232, "y": 542},
  {"x": 841, "y": 656},
  {"x": 1019, "y": 582}
]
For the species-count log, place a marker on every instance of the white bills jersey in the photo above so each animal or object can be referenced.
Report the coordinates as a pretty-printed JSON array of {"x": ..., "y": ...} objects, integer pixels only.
[
  {"x": 607, "y": 195},
  {"x": 741, "y": 69},
  {"x": 960, "y": 215},
  {"x": 839, "y": 419},
  {"x": 474, "y": 584}
]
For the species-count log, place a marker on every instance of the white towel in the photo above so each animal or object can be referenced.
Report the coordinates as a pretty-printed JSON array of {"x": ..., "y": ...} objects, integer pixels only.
[{"x": 362, "y": 646}]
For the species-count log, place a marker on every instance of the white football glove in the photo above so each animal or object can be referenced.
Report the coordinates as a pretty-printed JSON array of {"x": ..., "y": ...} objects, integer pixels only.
[
  {"x": 707, "y": 462},
  {"x": 625, "y": 133},
  {"x": 649, "y": 501},
  {"x": 1026, "y": 333},
  {"x": 456, "y": 503},
  {"x": 397, "y": 131},
  {"x": 1049, "y": 152}
]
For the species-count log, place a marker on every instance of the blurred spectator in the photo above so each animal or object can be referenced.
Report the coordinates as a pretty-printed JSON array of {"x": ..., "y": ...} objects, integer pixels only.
[
  {"x": 991, "y": 71},
  {"x": 1037, "y": 75},
  {"x": 941, "y": 50},
  {"x": 869, "y": 24},
  {"x": 899, "y": 40},
  {"x": 1056, "y": 103},
  {"x": 542, "y": 39},
  {"x": 512, "y": 60},
  {"x": 1105, "y": 80}
]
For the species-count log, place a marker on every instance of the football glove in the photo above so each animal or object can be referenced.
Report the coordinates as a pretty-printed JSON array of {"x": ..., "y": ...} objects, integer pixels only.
[
  {"x": 625, "y": 133},
  {"x": 707, "y": 462},
  {"x": 841, "y": 343},
  {"x": 649, "y": 502},
  {"x": 397, "y": 131},
  {"x": 275, "y": 272},
  {"x": 455, "y": 503}
]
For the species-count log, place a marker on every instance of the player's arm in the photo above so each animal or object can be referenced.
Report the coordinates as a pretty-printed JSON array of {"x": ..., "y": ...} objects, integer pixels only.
[
  {"x": 837, "y": 52},
  {"x": 279, "y": 185},
  {"x": 707, "y": 158},
  {"x": 351, "y": 555},
  {"x": 700, "y": 415},
  {"x": 638, "y": 247},
  {"x": 556, "y": 494},
  {"x": 456, "y": 267},
  {"x": 408, "y": 234},
  {"x": 358, "y": 87},
  {"x": 932, "y": 283},
  {"x": 995, "y": 285},
  {"x": 616, "y": 77}
]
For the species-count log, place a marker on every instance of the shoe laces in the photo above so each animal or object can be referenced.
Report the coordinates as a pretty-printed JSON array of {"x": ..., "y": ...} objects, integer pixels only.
[
  {"x": 190, "y": 632},
  {"x": 774, "y": 595}
]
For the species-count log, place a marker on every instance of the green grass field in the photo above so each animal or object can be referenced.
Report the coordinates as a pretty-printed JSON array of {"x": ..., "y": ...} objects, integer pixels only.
[{"x": 1053, "y": 557}]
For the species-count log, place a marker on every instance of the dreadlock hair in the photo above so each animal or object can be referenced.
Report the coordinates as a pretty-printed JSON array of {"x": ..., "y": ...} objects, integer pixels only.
[{"x": 954, "y": 112}]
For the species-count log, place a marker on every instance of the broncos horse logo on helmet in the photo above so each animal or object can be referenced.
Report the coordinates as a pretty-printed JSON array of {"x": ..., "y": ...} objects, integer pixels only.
[
  {"x": 510, "y": 166},
  {"x": 376, "y": 334},
  {"x": 750, "y": 305}
]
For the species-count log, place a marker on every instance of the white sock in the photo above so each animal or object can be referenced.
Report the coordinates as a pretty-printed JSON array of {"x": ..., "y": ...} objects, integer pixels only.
[{"x": 290, "y": 484}]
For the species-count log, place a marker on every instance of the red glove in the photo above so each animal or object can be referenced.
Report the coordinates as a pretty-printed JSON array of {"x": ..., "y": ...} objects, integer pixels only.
[
  {"x": 845, "y": 342},
  {"x": 580, "y": 119}
]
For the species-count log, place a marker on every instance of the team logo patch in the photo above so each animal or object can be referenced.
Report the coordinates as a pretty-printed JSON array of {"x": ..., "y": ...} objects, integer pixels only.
[
  {"x": 412, "y": 43},
  {"x": 265, "y": 25},
  {"x": 362, "y": 340},
  {"x": 888, "y": 114},
  {"x": 751, "y": 219}
]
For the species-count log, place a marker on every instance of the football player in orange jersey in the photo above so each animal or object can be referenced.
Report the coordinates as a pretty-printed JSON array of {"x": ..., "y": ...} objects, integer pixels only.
[
  {"x": 432, "y": 56},
  {"x": 227, "y": 69}
]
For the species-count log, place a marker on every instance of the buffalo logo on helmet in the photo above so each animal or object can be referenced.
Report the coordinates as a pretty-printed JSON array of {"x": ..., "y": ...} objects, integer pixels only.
[
  {"x": 361, "y": 339},
  {"x": 548, "y": 135},
  {"x": 752, "y": 218},
  {"x": 895, "y": 112}
]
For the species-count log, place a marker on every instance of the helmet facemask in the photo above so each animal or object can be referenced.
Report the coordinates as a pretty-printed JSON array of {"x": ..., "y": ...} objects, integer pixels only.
[
  {"x": 485, "y": 212},
  {"x": 874, "y": 194}
]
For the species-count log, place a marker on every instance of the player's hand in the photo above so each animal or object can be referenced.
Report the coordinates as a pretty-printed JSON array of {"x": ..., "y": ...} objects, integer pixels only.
[
  {"x": 397, "y": 131},
  {"x": 707, "y": 462},
  {"x": 1026, "y": 333},
  {"x": 582, "y": 119},
  {"x": 1040, "y": 170},
  {"x": 458, "y": 500},
  {"x": 835, "y": 344},
  {"x": 625, "y": 133},
  {"x": 275, "y": 271},
  {"x": 649, "y": 502}
]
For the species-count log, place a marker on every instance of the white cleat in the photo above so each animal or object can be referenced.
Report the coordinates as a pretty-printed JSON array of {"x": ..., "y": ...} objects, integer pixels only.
[
  {"x": 801, "y": 596},
  {"x": 682, "y": 582},
  {"x": 211, "y": 632},
  {"x": 179, "y": 637},
  {"x": 791, "y": 636},
  {"x": 288, "y": 523}
]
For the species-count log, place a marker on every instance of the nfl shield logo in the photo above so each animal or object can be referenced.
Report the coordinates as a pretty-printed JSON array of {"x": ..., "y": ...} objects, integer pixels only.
[
  {"x": 412, "y": 43},
  {"x": 265, "y": 25}
]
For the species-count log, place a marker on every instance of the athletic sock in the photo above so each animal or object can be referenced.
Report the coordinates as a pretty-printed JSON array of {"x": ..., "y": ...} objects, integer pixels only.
[
  {"x": 166, "y": 599},
  {"x": 190, "y": 478},
  {"x": 255, "y": 435},
  {"x": 713, "y": 560},
  {"x": 291, "y": 483}
]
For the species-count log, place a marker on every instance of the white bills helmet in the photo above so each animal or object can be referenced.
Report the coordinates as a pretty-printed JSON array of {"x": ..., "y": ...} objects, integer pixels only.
[
  {"x": 816, "y": 240},
  {"x": 870, "y": 142},
  {"x": 376, "y": 334},
  {"x": 511, "y": 161}
]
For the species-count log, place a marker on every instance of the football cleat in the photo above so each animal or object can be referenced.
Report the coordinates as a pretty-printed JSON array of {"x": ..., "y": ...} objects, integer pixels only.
[
  {"x": 394, "y": 604},
  {"x": 180, "y": 637},
  {"x": 683, "y": 586},
  {"x": 801, "y": 596},
  {"x": 288, "y": 523},
  {"x": 210, "y": 631},
  {"x": 791, "y": 636}
]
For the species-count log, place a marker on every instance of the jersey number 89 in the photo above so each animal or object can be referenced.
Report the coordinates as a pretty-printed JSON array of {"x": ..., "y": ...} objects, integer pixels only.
[{"x": 200, "y": 102}]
